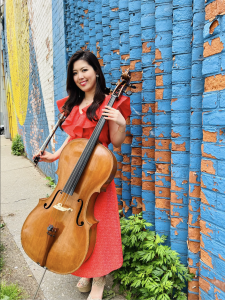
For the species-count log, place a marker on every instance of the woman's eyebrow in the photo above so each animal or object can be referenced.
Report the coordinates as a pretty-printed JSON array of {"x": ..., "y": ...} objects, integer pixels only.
[{"x": 80, "y": 68}]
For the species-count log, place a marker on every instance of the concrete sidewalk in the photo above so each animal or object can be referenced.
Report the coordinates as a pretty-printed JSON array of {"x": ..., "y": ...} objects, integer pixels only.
[{"x": 21, "y": 187}]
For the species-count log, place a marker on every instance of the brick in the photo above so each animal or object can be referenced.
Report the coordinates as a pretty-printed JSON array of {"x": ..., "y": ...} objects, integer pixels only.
[
  {"x": 136, "y": 76},
  {"x": 162, "y": 192},
  {"x": 148, "y": 142},
  {"x": 206, "y": 258},
  {"x": 145, "y": 47},
  {"x": 159, "y": 94},
  {"x": 205, "y": 285},
  {"x": 158, "y": 54},
  {"x": 133, "y": 63},
  {"x": 194, "y": 247},
  {"x": 162, "y": 168},
  {"x": 175, "y": 198},
  {"x": 213, "y": 9},
  {"x": 148, "y": 107},
  {"x": 193, "y": 296},
  {"x": 213, "y": 26},
  {"x": 147, "y": 185},
  {"x": 193, "y": 221},
  {"x": 162, "y": 144},
  {"x": 175, "y": 221},
  {"x": 147, "y": 175},
  {"x": 209, "y": 136},
  {"x": 162, "y": 203},
  {"x": 159, "y": 80},
  {"x": 174, "y": 134},
  {"x": 178, "y": 147},
  {"x": 193, "y": 286},
  {"x": 193, "y": 233},
  {"x": 125, "y": 56},
  {"x": 136, "y": 181},
  {"x": 215, "y": 83},
  {"x": 215, "y": 47},
  {"x": 136, "y": 161},
  {"x": 204, "y": 229},
  {"x": 207, "y": 166},
  {"x": 162, "y": 156},
  {"x": 148, "y": 153},
  {"x": 193, "y": 177}
]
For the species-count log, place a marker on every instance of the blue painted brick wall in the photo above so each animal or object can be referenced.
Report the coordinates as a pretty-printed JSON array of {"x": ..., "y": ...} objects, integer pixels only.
[{"x": 171, "y": 165}]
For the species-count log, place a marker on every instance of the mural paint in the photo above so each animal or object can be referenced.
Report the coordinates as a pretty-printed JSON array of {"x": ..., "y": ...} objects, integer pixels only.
[
  {"x": 17, "y": 26},
  {"x": 171, "y": 165},
  {"x": 25, "y": 100}
]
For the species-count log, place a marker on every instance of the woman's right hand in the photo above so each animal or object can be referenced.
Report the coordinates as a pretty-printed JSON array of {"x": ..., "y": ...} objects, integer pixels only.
[{"x": 45, "y": 157}]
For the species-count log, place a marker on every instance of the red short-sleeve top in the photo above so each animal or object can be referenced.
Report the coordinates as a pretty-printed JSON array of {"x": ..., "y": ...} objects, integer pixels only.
[{"x": 77, "y": 125}]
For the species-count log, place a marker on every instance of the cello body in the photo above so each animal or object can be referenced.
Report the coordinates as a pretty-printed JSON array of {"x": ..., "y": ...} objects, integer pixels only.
[{"x": 65, "y": 246}]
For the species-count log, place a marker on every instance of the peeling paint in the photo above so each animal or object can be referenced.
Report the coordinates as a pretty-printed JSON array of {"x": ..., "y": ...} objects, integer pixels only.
[{"x": 213, "y": 9}]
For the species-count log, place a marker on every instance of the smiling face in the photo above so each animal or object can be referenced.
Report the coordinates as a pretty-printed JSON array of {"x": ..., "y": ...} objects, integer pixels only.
[{"x": 84, "y": 76}]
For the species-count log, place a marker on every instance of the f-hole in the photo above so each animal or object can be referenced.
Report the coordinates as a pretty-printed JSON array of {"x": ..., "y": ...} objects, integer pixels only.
[
  {"x": 52, "y": 200},
  {"x": 82, "y": 223}
]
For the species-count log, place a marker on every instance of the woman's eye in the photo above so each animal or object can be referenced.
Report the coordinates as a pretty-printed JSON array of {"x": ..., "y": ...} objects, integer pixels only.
[
  {"x": 74, "y": 74},
  {"x": 85, "y": 70}
]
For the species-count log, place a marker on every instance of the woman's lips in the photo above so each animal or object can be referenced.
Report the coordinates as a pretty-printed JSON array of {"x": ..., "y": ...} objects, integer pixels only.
[{"x": 83, "y": 83}]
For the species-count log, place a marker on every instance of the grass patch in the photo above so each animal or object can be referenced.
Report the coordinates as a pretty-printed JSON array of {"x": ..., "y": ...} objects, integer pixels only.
[
  {"x": 51, "y": 182},
  {"x": 11, "y": 292},
  {"x": 1, "y": 257}
]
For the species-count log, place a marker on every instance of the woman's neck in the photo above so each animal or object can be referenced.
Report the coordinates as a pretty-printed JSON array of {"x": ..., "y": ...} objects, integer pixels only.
[{"x": 89, "y": 96}]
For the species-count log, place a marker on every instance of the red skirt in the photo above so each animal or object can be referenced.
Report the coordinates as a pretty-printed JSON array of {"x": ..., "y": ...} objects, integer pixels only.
[{"x": 107, "y": 255}]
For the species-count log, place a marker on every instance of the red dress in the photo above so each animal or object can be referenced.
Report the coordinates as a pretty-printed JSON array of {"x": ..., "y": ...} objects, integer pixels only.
[{"x": 107, "y": 255}]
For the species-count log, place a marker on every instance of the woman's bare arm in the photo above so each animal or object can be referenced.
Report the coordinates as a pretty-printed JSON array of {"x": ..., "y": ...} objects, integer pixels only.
[{"x": 50, "y": 157}]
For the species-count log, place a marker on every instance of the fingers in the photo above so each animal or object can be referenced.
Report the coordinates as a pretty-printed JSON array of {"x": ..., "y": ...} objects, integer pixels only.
[
  {"x": 109, "y": 109},
  {"x": 36, "y": 155},
  {"x": 114, "y": 115},
  {"x": 110, "y": 112}
]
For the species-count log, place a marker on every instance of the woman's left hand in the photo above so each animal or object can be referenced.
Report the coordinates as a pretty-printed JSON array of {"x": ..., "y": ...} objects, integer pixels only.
[{"x": 113, "y": 114}]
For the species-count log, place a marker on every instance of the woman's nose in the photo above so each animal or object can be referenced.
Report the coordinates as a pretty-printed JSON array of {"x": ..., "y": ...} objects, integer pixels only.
[{"x": 80, "y": 75}]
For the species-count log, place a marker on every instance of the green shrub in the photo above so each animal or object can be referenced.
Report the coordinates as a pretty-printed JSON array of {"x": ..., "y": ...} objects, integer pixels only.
[
  {"x": 151, "y": 270},
  {"x": 11, "y": 292},
  {"x": 51, "y": 182},
  {"x": 17, "y": 145}
]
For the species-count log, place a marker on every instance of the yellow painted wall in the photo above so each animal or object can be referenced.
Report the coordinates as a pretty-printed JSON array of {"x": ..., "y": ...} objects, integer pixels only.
[
  {"x": 13, "y": 128},
  {"x": 17, "y": 26}
]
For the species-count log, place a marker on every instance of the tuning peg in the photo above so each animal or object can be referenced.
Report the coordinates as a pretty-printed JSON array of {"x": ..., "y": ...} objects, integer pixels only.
[{"x": 128, "y": 93}]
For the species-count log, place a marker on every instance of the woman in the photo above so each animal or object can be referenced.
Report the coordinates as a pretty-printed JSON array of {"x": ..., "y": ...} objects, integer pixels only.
[{"x": 86, "y": 102}]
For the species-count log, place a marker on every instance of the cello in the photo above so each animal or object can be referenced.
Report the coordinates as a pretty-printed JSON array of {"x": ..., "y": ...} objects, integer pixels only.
[{"x": 60, "y": 232}]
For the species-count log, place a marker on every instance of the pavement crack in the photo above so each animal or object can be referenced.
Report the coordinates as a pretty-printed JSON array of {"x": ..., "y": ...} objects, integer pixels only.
[
  {"x": 16, "y": 169},
  {"x": 20, "y": 200}
]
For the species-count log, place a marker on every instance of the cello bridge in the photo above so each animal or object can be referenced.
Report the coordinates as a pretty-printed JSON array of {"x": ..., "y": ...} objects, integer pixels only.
[{"x": 61, "y": 208}]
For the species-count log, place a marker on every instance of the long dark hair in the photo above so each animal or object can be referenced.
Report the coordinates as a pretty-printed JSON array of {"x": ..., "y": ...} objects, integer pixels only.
[{"x": 76, "y": 95}]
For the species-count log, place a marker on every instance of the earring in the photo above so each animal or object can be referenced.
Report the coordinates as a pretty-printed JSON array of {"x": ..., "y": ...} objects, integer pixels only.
[{"x": 97, "y": 75}]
